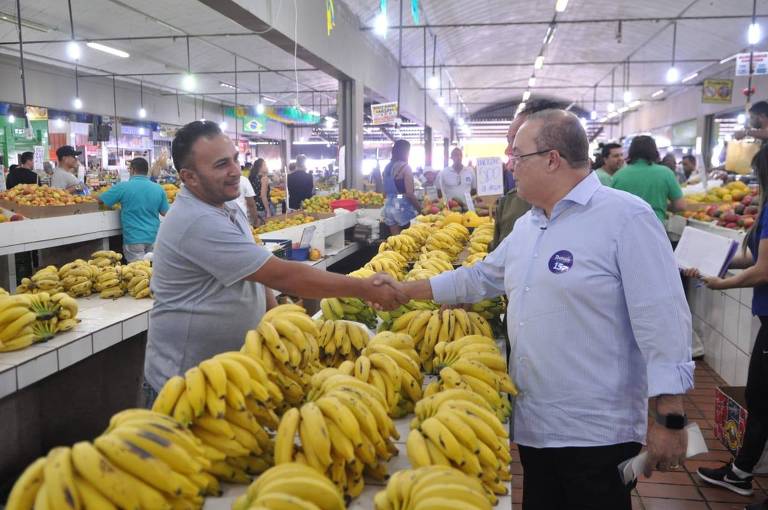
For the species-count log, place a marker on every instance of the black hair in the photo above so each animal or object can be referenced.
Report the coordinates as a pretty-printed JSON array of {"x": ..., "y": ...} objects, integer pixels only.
[
  {"x": 643, "y": 147},
  {"x": 12, "y": 167},
  {"x": 26, "y": 156},
  {"x": 760, "y": 167},
  {"x": 181, "y": 148},
  {"x": 607, "y": 148},
  {"x": 689, "y": 157},
  {"x": 140, "y": 166},
  {"x": 400, "y": 150},
  {"x": 254, "y": 176},
  {"x": 759, "y": 108},
  {"x": 538, "y": 105}
]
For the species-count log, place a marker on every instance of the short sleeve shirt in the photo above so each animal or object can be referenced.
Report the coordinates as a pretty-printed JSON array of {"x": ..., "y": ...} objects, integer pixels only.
[
  {"x": 246, "y": 191},
  {"x": 63, "y": 179},
  {"x": 141, "y": 203},
  {"x": 203, "y": 304},
  {"x": 760, "y": 293},
  {"x": 656, "y": 184},
  {"x": 454, "y": 184}
]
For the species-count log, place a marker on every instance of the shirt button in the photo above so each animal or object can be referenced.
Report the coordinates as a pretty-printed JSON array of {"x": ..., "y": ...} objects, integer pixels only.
[{"x": 527, "y": 289}]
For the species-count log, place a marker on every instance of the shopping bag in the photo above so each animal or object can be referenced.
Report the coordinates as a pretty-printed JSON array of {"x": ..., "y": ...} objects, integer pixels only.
[{"x": 738, "y": 157}]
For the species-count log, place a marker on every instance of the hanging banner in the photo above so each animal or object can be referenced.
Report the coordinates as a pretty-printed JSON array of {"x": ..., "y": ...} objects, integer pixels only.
[
  {"x": 759, "y": 63},
  {"x": 330, "y": 16},
  {"x": 384, "y": 113},
  {"x": 415, "y": 11},
  {"x": 717, "y": 91},
  {"x": 284, "y": 114},
  {"x": 490, "y": 177},
  {"x": 37, "y": 113},
  {"x": 253, "y": 125}
]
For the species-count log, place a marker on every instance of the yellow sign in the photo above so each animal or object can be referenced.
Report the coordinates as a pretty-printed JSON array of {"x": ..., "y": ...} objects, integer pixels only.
[
  {"x": 717, "y": 91},
  {"x": 384, "y": 113},
  {"x": 37, "y": 113}
]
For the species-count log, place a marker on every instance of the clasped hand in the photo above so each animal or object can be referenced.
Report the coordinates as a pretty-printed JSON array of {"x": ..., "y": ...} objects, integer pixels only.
[{"x": 385, "y": 293}]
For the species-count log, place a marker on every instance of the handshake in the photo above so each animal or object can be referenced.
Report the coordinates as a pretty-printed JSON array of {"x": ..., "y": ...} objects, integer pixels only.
[{"x": 383, "y": 292}]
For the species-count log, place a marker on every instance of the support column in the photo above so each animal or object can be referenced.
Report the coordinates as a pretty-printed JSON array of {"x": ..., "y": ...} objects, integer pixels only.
[
  {"x": 291, "y": 133},
  {"x": 350, "y": 110},
  {"x": 446, "y": 146},
  {"x": 428, "y": 146}
]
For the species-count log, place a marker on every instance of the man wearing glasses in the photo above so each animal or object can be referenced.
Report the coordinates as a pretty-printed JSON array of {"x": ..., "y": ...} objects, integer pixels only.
[{"x": 599, "y": 326}]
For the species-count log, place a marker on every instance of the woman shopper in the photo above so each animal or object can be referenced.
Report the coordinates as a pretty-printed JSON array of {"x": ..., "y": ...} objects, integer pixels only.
[
  {"x": 259, "y": 178},
  {"x": 737, "y": 475},
  {"x": 401, "y": 205}
]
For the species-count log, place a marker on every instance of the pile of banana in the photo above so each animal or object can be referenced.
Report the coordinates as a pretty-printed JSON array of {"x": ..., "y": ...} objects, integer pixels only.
[
  {"x": 390, "y": 262},
  {"x": 45, "y": 280},
  {"x": 428, "y": 327},
  {"x": 291, "y": 485},
  {"x": 391, "y": 364},
  {"x": 136, "y": 276},
  {"x": 351, "y": 309},
  {"x": 340, "y": 340},
  {"x": 433, "y": 487},
  {"x": 77, "y": 277},
  {"x": 456, "y": 428},
  {"x": 29, "y": 318},
  {"x": 285, "y": 342},
  {"x": 16, "y": 322},
  {"x": 227, "y": 401},
  {"x": 451, "y": 239},
  {"x": 3, "y": 292},
  {"x": 343, "y": 429},
  {"x": 145, "y": 460},
  {"x": 105, "y": 258},
  {"x": 480, "y": 239},
  {"x": 404, "y": 244},
  {"x": 490, "y": 308},
  {"x": 109, "y": 282}
]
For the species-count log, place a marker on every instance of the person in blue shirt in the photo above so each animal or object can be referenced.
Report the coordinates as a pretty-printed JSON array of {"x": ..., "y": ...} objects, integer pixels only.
[
  {"x": 597, "y": 320},
  {"x": 737, "y": 474},
  {"x": 141, "y": 204}
]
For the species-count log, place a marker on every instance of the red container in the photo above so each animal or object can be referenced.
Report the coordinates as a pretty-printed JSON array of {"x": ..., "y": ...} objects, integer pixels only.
[{"x": 349, "y": 204}]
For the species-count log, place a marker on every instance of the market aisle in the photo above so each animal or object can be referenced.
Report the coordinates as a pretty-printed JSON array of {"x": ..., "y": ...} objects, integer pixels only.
[{"x": 682, "y": 489}]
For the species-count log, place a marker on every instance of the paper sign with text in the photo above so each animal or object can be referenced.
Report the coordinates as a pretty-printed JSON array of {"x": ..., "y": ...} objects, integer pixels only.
[
  {"x": 384, "y": 113},
  {"x": 759, "y": 63},
  {"x": 490, "y": 177}
]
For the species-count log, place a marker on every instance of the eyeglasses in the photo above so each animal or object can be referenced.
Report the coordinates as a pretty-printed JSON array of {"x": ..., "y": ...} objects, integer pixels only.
[{"x": 514, "y": 159}]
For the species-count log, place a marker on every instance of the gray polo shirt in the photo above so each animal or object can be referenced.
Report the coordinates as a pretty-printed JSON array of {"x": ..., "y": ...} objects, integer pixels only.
[
  {"x": 203, "y": 305},
  {"x": 63, "y": 179}
]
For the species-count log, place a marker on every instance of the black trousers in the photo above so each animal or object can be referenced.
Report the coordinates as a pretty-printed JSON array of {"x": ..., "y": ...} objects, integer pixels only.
[
  {"x": 756, "y": 432},
  {"x": 576, "y": 478}
]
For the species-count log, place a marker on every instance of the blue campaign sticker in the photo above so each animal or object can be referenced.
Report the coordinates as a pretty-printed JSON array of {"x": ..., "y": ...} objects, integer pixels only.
[{"x": 561, "y": 262}]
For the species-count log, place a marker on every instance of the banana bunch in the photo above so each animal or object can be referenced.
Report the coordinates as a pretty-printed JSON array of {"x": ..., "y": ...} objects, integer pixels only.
[
  {"x": 451, "y": 239},
  {"x": 77, "y": 277},
  {"x": 428, "y": 327},
  {"x": 109, "y": 282},
  {"x": 105, "y": 258},
  {"x": 390, "y": 262},
  {"x": 391, "y": 364},
  {"x": 453, "y": 429},
  {"x": 227, "y": 401},
  {"x": 433, "y": 487},
  {"x": 351, "y": 309},
  {"x": 45, "y": 280},
  {"x": 3, "y": 292},
  {"x": 66, "y": 311},
  {"x": 136, "y": 276},
  {"x": 490, "y": 308},
  {"x": 480, "y": 239},
  {"x": 291, "y": 485},
  {"x": 474, "y": 363},
  {"x": 147, "y": 461},
  {"x": 419, "y": 232},
  {"x": 340, "y": 340},
  {"x": 404, "y": 244},
  {"x": 474, "y": 258},
  {"x": 16, "y": 322},
  {"x": 344, "y": 430},
  {"x": 436, "y": 265},
  {"x": 285, "y": 341}
]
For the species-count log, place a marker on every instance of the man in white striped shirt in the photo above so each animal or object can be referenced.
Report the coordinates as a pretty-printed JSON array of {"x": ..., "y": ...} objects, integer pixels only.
[{"x": 597, "y": 319}]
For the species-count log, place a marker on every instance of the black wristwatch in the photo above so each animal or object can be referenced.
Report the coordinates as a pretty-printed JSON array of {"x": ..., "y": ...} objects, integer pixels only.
[{"x": 672, "y": 421}]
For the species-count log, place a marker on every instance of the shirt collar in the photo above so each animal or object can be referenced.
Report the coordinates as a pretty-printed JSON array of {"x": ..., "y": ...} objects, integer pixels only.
[
  {"x": 579, "y": 194},
  {"x": 185, "y": 194}
]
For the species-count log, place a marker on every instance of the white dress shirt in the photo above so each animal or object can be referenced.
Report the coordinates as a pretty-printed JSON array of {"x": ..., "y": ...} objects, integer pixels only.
[
  {"x": 455, "y": 184},
  {"x": 597, "y": 317},
  {"x": 246, "y": 191}
]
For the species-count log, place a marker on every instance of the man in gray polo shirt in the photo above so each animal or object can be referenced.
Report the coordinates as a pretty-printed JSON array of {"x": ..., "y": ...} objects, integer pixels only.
[
  {"x": 209, "y": 276},
  {"x": 64, "y": 175}
]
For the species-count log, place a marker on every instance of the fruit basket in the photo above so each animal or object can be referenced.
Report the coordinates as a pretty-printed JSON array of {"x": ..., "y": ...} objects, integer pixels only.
[{"x": 33, "y": 201}]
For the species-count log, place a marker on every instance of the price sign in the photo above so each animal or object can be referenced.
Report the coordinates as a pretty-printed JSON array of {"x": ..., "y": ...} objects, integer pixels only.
[
  {"x": 38, "y": 158},
  {"x": 490, "y": 177},
  {"x": 384, "y": 113}
]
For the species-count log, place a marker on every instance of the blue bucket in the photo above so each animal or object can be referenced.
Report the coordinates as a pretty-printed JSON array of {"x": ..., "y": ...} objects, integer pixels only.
[{"x": 300, "y": 254}]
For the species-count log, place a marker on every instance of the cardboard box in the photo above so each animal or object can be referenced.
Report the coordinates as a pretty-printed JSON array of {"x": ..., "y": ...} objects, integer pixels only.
[
  {"x": 731, "y": 422},
  {"x": 49, "y": 211}
]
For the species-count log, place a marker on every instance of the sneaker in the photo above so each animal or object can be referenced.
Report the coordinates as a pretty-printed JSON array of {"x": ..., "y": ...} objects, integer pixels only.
[
  {"x": 725, "y": 477},
  {"x": 757, "y": 506}
]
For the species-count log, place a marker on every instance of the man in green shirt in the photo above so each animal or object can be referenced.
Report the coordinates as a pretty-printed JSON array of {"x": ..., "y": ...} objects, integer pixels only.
[
  {"x": 613, "y": 160},
  {"x": 645, "y": 178}
]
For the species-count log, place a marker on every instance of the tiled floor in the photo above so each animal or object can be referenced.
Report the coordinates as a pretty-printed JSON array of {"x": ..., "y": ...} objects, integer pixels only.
[{"x": 682, "y": 489}]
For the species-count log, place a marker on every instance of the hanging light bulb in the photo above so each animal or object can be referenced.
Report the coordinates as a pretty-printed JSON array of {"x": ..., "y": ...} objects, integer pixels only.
[
  {"x": 754, "y": 34},
  {"x": 561, "y": 5},
  {"x": 741, "y": 119},
  {"x": 627, "y": 96},
  {"x": 433, "y": 83},
  {"x": 441, "y": 101},
  {"x": 380, "y": 24},
  {"x": 593, "y": 115},
  {"x": 73, "y": 50},
  {"x": 539, "y": 62},
  {"x": 189, "y": 82},
  {"x": 59, "y": 122},
  {"x": 142, "y": 113},
  {"x": 11, "y": 119},
  {"x": 142, "y": 131},
  {"x": 77, "y": 103},
  {"x": 526, "y": 95},
  {"x": 673, "y": 75},
  {"x": 531, "y": 81},
  {"x": 611, "y": 107},
  {"x": 450, "y": 111},
  {"x": 223, "y": 125},
  {"x": 583, "y": 122},
  {"x": 260, "y": 108}
]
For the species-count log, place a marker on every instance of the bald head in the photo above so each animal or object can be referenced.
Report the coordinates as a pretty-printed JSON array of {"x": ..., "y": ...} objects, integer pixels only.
[{"x": 561, "y": 131}]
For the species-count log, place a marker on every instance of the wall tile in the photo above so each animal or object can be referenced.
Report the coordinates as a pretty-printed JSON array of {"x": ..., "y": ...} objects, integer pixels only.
[
  {"x": 107, "y": 337},
  {"x": 717, "y": 311},
  {"x": 731, "y": 319},
  {"x": 745, "y": 328},
  {"x": 728, "y": 362},
  {"x": 36, "y": 369},
  {"x": 7, "y": 380},
  {"x": 746, "y": 296},
  {"x": 75, "y": 351},
  {"x": 135, "y": 325},
  {"x": 742, "y": 367}
]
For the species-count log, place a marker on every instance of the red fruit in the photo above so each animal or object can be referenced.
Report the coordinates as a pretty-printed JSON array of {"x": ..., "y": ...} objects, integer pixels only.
[
  {"x": 731, "y": 217},
  {"x": 17, "y": 217},
  {"x": 752, "y": 209},
  {"x": 748, "y": 221},
  {"x": 731, "y": 225},
  {"x": 747, "y": 200}
]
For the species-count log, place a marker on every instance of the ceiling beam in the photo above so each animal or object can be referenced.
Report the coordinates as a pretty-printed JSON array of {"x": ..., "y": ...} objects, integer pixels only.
[
  {"x": 582, "y": 21},
  {"x": 591, "y": 63},
  {"x": 565, "y": 87},
  {"x": 177, "y": 73},
  {"x": 248, "y": 93},
  {"x": 131, "y": 38}
]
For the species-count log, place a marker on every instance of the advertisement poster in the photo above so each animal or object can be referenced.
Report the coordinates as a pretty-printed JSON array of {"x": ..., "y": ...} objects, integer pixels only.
[
  {"x": 384, "y": 113},
  {"x": 717, "y": 91},
  {"x": 759, "y": 63}
]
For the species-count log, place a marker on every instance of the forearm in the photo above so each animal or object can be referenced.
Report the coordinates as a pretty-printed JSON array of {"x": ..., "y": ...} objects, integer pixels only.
[
  {"x": 742, "y": 261},
  {"x": 666, "y": 404},
  {"x": 750, "y": 277},
  {"x": 299, "y": 279},
  {"x": 419, "y": 289}
]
